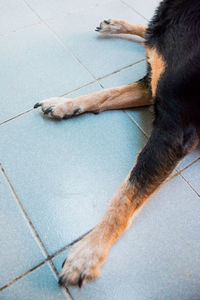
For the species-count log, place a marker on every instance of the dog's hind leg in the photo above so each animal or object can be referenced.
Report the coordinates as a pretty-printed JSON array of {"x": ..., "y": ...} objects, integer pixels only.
[
  {"x": 156, "y": 161},
  {"x": 135, "y": 94},
  {"x": 166, "y": 146},
  {"x": 120, "y": 26}
]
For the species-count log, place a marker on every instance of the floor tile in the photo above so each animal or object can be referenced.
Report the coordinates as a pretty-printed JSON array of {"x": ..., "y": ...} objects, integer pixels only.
[
  {"x": 192, "y": 175},
  {"x": 70, "y": 168},
  {"x": 125, "y": 76},
  {"x": 30, "y": 71},
  {"x": 142, "y": 116},
  {"x": 48, "y": 9},
  {"x": 15, "y": 15},
  {"x": 195, "y": 154},
  {"x": 158, "y": 257},
  {"x": 145, "y": 8},
  {"x": 40, "y": 284},
  {"x": 19, "y": 249},
  {"x": 102, "y": 55}
]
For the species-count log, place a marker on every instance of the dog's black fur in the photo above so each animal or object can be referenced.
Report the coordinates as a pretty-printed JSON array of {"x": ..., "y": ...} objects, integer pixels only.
[{"x": 174, "y": 32}]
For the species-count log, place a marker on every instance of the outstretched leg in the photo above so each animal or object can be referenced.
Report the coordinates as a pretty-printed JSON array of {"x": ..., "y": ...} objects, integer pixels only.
[
  {"x": 135, "y": 94},
  {"x": 159, "y": 157},
  {"x": 119, "y": 26}
]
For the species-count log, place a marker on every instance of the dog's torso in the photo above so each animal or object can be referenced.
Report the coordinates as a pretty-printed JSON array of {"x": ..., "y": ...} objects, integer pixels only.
[{"x": 173, "y": 52}]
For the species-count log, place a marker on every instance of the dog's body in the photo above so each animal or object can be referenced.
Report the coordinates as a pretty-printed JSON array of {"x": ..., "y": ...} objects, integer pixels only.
[{"x": 173, "y": 73}]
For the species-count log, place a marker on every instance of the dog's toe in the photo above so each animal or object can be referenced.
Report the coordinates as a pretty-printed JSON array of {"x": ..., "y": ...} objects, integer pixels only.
[
  {"x": 110, "y": 26},
  {"x": 98, "y": 28},
  {"x": 107, "y": 21},
  {"x": 48, "y": 110},
  {"x": 37, "y": 105},
  {"x": 59, "y": 108},
  {"x": 80, "y": 280}
]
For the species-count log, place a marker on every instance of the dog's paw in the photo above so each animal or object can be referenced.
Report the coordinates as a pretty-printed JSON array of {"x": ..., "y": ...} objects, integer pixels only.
[
  {"x": 110, "y": 26},
  {"x": 83, "y": 263},
  {"x": 59, "y": 107}
]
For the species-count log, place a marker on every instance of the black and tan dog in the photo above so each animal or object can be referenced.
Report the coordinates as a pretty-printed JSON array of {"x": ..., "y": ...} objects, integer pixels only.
[{"x": 172, "y": 83}]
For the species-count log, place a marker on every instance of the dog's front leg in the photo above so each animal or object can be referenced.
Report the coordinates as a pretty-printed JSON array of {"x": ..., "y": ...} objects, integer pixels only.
[{"x": 155, "y": 162}]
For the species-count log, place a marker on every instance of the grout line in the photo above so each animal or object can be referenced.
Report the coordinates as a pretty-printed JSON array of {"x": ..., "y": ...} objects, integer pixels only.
[
  {"x": 187, "y": 166},
  {"x": 79, "y": 88},
  {"x": 122, "y": 69},
  {"x": 136, "y": 124},
  {"x": 17, "y": 116},
  {"x": 24, "y": 212},
  {"x": 189, "y": 185},
  {"x": 57, "y": 275},
  {"x": 70, "y": 12},
  {"x": 132, "y": 8},
  {"x": 60, "y": 40},
  {"x": 87, "y": 84},
  {"x": 48, "y": 259},
  {"x": 21, "y": 276}
]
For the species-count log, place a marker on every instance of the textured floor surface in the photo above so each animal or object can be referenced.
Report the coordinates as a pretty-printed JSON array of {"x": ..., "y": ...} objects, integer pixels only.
[{"x": 57, "y": 178}]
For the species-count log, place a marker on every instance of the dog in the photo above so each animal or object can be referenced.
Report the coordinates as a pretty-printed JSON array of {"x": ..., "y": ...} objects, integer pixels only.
[{"x": 172, "y": 43}]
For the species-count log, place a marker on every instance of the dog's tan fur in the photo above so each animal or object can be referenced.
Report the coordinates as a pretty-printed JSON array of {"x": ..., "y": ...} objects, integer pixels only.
[
  {"x": 132, "y": 95},
  {"x": 121, "y": 26},
  {"x": 158, "y": 66}
]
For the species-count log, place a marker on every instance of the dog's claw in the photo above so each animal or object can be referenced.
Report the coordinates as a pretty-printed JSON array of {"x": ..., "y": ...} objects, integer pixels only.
[
  {"x": 63, "y": 263},
  {"x": 37, "y": 105},
  {"x": 98, "y": 28},
  {"x": 77, "y": 111},
  {"x": 80, "y": 280},
  {"x": 48, "y": 110},
  {"x": 61, "y": 281},
  {"x": 107, "y": 21}
]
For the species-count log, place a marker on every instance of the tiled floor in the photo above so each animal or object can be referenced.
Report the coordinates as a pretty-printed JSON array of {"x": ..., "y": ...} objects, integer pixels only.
[{"x": 57, "y": 178}]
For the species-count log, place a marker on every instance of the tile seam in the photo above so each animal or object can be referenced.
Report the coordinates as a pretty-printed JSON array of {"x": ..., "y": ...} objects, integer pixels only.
[
  {"x": 189, "y": 165},
  {"x": 57, "y": 275},
  {"x": 187, "y": 182},
  {"x": 132, "y": 8},
  {"x": 136, "y": 124},
  {"x": 60, "y": 41},
  {"x": 74, "y": 90},
  {"x": 48, "y": 259},
  {"x": 27, "y": 218}
]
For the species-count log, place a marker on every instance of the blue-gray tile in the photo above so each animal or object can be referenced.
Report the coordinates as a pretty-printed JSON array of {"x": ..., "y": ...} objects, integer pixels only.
[
  {"x": 102, "y": 55},
  {"x": 158, "y": 257},
  {"x": 125, "y": 76},
  {"x": 15, "y": 15},
  {"x": 142, "y": 116},
  {"x": 145, "y": 8},
  {"x": 33, "y": 66},
  {"x": 192, "y": 175},
  {"x": 19, "y": 249},
  {"x": 48, "y": 9},
  {"x": 40, "y": 284},
  {"x": 59, "y": 259},
  {"x": 195, "y": 154},
  {"x": 65, "y": 173}
]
